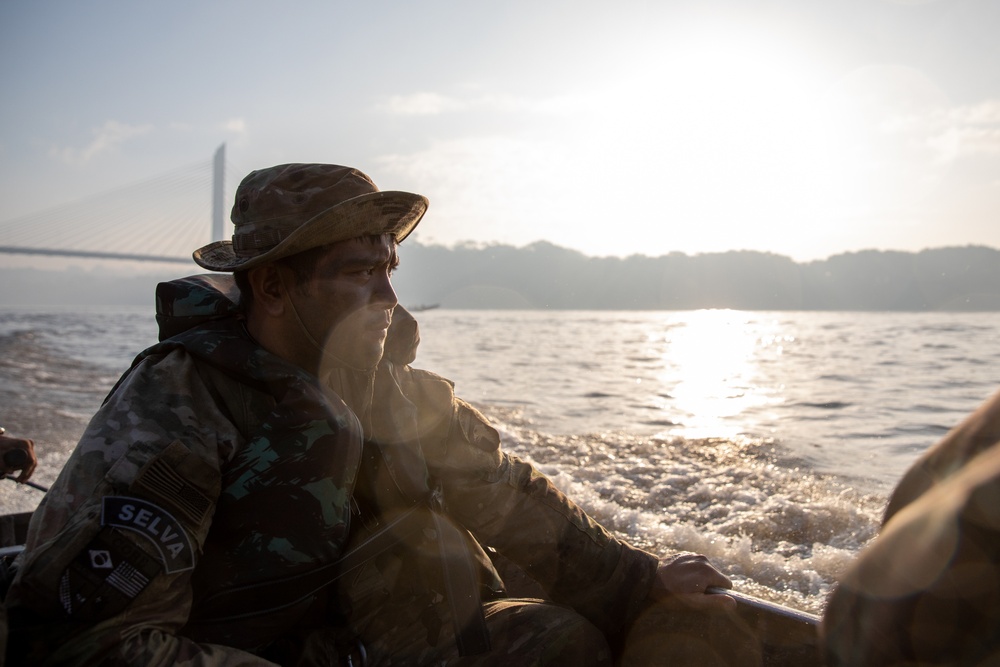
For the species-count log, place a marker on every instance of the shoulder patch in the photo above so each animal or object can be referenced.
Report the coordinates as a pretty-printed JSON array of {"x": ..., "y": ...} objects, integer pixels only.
[
  {"x": 105, "y": 576},
  {"x": 155, "y": 524},
  {"x": 168, "y": 485}
]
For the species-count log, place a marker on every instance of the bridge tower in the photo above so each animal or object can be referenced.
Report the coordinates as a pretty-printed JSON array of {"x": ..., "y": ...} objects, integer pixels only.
[
  {"x": 218, "y": 194},
  {"x": 108, "y": 217}
]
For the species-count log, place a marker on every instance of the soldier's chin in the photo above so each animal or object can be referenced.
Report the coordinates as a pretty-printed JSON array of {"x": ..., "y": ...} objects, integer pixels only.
[
  {"x": 366, "y": 357},
  {"x": 356, "y": 351}
]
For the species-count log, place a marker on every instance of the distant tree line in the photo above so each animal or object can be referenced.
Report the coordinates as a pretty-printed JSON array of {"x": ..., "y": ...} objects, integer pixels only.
[{"x": 543, "y": 275}]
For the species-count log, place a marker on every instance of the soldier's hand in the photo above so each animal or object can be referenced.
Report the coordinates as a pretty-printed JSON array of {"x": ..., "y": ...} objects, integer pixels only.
[
  {"x": 683, "y": 580},
  {"x": 17, "y": 454}
]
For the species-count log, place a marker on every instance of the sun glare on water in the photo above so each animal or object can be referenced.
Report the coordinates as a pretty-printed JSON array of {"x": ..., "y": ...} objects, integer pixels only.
[{"x": 710, "y": 371}]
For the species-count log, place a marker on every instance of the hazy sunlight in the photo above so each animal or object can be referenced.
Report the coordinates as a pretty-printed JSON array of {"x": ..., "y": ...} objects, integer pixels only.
[{"x": 731, "y": 136}]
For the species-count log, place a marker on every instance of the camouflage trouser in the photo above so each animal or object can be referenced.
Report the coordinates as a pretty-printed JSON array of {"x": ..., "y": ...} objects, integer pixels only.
[{"x": 522, "y": 632}]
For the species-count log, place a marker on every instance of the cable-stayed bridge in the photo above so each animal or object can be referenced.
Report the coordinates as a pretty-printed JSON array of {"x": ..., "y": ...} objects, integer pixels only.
[{"x": 160, "y": 219}]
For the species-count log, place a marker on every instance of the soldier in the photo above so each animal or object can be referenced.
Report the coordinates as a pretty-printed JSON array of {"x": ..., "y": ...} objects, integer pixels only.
[{"x": 273, "y": 484}]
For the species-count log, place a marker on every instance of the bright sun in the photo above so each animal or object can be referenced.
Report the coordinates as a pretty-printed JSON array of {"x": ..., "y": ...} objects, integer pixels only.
[
  {"x": 736, "y": 136},
  {"x": 725, "y": 139},
  {"x": 730, "y": 137}
]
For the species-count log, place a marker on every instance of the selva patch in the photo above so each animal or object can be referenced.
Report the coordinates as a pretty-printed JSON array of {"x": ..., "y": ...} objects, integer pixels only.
[{"x": 155, "y": 524}]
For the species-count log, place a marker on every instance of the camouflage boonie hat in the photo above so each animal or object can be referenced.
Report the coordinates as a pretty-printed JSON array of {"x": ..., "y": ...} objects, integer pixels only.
[{"x": 289, "y": 208}]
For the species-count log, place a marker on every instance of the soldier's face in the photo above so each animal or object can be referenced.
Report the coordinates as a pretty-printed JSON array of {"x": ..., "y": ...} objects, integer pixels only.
[{"x": 347, "y": 303}]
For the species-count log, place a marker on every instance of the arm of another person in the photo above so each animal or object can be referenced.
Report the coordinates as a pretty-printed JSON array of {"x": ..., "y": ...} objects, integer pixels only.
[
  {"x": 111, "y": 550},
  {"x": 936, "y": 559},
  {"x": 17, "y": 454},
  {"x": 524, "y": 516},
  {"x": 509, "y": 505},
  {"x": 975, "y": 434}
]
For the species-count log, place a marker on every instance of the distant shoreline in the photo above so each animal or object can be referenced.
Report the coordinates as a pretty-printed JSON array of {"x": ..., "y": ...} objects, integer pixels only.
[{"x": 543, "y": 276}]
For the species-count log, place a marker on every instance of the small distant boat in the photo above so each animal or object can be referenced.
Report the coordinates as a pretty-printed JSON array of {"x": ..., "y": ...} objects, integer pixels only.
[{"x": 424, "y": 306}]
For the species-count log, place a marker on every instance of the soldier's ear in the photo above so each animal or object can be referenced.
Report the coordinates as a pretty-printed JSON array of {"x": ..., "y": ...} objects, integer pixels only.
[{"x": 268, "y": 289}]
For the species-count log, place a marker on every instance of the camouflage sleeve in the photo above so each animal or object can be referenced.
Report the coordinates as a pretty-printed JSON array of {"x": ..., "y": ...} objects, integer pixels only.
[
  {"x": 509, "y": 505},
  {"x": 978, "y": 432},
  {"x": 106, "y": 575},
  {"x": 926, "y": 591}
]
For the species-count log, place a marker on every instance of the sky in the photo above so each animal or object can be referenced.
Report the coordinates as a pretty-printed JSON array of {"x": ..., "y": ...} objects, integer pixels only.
[{"x": 804, "y": 128}]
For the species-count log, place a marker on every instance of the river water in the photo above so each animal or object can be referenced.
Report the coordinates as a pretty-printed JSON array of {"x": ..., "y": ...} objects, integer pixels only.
[{"x": 768, "y": 441}]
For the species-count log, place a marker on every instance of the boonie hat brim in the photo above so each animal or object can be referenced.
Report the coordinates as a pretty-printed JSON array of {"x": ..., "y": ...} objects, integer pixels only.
[{"x": 371, "y": 214}]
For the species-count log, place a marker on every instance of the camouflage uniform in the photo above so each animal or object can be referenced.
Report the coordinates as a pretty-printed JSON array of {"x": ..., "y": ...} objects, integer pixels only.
[
  {"x": 215, "y": 466},
  {"x": 927, "y": 590}
]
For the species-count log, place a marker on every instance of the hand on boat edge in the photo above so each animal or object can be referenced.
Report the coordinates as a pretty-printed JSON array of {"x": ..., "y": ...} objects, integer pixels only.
[
  {"x": 17, "y": 454},
  {"x": 685, "y": 578}
]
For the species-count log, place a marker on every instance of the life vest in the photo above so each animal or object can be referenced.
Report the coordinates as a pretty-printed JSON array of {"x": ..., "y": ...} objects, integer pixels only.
[{"x": 283, "y": 520}]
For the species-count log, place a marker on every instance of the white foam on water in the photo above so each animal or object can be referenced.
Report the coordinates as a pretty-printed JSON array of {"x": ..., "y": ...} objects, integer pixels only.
[{"x": 779, "y": 532}]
